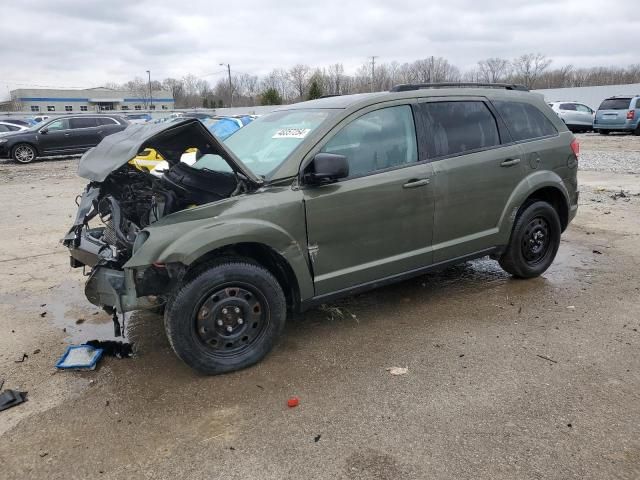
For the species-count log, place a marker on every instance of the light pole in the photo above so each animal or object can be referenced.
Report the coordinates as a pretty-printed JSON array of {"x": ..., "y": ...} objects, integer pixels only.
[
  {"x": 150, "y": 94},
  {"x": 230, "y": 87}
]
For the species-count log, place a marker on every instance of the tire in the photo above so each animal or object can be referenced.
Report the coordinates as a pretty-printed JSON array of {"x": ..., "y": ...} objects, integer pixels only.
[
  {"x": 603, "y": 132},
  {"x": 534, "y": 241},
  {"x": 226, "y": 318},
  {"x": 636, "y": 132},
  {"x": 24, "y": 153}
]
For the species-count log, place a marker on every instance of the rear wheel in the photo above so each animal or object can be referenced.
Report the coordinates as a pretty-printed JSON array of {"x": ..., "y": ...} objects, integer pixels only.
[
  {"x": 23, "y": 153},
  {"x": 534, "y": 241},
  {"x": 226, "y": 318},
  {"x": 636, "y": 132},
  {"x": 603, "y": 132}
]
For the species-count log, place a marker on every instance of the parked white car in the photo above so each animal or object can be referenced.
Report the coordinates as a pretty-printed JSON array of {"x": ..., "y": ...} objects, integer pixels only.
[
  {"x": 577, "y": 116},
  {"x": 7, "y": 127}
]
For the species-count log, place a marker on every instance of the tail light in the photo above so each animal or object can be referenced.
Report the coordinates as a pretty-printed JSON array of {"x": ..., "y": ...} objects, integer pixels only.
[
  {"x": 575, "y": 146},
  {"x": 631, "y": 114}
]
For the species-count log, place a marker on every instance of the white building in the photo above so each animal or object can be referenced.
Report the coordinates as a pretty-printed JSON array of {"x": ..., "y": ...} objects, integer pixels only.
[{"x": 37, "y": 100}]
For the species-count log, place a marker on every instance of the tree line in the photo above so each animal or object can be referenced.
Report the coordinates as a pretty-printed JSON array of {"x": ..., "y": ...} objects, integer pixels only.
[{"x": 303, "y": 82}]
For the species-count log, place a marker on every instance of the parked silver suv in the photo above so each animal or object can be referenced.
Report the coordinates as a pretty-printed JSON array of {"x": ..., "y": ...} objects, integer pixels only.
[{"x": 577, "y": 116}]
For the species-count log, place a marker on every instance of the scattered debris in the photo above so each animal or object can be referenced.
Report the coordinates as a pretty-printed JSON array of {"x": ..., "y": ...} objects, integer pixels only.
[
  {"x": 260, "y": 387},
  {"x": 43, "y": 454},
  {"x": 11, "y": 398},
  {"x": 619, "y": 194},
  {"x": 547, "y": 358},
  {"x": 293, "y": 402},
  {"x": 461, "y": 355},
  {"x": 43, "y": 314},
  {"x": 113, "y": 348},
  {"x": 597, "y": 252},
  {"x": 36, "y": 351},
  {"x": 80, "y": 321},
  {"x": 80, "y": 357},
  {"x": 21, "y": 358},
  {"x": 317, "y": 438},
  {"x": 571, "y": 307},
  {"x": 43, "y": 305},
  {"x": 398, "y": 370},
  {"x": 569, "y": 425}
]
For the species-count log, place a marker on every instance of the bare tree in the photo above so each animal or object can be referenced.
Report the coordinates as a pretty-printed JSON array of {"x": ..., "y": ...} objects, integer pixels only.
[
  {"x": 493, "y": 70},
  {"x": 299, "y": 77},
  {"x": 139, "y": 88},
  {"x": 335, "y": 73},
  {"x": 527, "y": 68}
]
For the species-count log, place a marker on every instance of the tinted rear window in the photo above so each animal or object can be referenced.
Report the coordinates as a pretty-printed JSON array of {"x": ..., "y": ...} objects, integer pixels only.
[
  {"x": 615, "y": 104},
  {"x": 567, "y": 106},
  {"x": 106, "y": 121},
  {"x": 83, "y": 122},
  {"x": 524, "y": 121},
  {"x": 457, "y": 127}
]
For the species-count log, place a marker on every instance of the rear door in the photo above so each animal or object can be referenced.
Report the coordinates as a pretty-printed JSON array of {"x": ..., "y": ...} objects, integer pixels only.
[
  {"x": 584, "y": 115},
  {"x": 475, "y": 169},
  {"x": 569, "y": 113},
  {"x": 378, "y": 222},
  {"x": 85, "y": 130}
]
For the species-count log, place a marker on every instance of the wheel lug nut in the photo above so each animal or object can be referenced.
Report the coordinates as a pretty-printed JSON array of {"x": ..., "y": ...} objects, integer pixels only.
[
  {"x": 240, "y": 321},
  {"x": 219, "y": 322},
  {"x": 229, "y": 328},
  {"x": 237, "y": 310}
]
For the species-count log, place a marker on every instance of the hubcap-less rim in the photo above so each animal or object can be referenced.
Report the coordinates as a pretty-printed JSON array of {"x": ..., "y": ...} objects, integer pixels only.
[
  {"x": 536, "y": 241},
  {"x": 231, "y": 319},
  {"x": 24, "y": 154}
]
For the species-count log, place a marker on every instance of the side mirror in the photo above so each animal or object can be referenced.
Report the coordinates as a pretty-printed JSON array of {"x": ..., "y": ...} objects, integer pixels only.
[
  {"x": 327, "y": 168},
  {"x": 44, "y": 130}
]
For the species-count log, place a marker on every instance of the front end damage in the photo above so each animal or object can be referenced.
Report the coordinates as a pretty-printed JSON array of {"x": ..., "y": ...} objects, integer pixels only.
[{"x": 120, "y": 205}]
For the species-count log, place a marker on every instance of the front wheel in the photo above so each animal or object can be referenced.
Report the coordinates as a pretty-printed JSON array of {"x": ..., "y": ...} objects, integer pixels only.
[
  {"x": 534, "y": 241},
  {"x": 23, "y": 153},
  {"x": 226, "y": 318}
]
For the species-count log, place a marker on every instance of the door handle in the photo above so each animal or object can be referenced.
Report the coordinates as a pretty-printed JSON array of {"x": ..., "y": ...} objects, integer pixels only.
[
  {"x": 510, "y": 162},
  {"x": 416, "y": 182},
  {"x": 67, "y": 134}
]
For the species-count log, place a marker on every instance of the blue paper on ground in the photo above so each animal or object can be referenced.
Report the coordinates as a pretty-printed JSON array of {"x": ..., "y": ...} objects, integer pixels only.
[{"x": 84, "y": 357}]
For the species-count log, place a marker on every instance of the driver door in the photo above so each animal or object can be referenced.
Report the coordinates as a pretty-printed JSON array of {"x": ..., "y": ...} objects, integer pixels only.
[
  {"x": 57, "y": 138},
  {"x": 377, "y": 222}
]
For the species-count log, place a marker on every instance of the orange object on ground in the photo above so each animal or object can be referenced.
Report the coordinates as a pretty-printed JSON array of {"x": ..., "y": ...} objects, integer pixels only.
[{"x": 293, "y": 402}]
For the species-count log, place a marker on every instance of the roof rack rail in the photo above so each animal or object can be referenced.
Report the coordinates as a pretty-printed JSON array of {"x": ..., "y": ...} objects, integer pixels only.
[{"x": 405, "y": 87}]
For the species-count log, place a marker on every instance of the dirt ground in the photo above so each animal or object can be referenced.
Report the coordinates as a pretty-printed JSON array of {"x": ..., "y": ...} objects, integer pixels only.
[{"x": 507, "y": 379}]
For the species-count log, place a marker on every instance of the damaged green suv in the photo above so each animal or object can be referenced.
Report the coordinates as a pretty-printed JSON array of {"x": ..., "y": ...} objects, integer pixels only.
[{"x": 315, "y": 201}]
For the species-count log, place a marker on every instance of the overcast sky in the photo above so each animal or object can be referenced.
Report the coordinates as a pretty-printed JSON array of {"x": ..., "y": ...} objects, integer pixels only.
[{"x": 72, "y": 43}]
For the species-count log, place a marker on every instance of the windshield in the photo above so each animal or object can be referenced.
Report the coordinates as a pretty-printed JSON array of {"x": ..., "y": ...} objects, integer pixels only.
[{"x": 265, "y": 143}]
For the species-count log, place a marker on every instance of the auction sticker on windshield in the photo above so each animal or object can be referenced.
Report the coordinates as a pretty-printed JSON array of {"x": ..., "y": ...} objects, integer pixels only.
[{"x": 292, "y": 133}]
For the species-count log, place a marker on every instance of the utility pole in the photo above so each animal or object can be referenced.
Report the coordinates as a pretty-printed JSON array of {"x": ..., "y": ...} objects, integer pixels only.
[
  {"x": 373, "y": 71},
  {"x": 150, "y": 94},
  {"x": 230, "y": 86}
]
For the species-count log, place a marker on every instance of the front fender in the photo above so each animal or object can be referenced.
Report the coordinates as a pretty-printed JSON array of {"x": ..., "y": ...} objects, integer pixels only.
[
  {"x": 530, "y": 184},
  {"x": 196, "y": 239}
]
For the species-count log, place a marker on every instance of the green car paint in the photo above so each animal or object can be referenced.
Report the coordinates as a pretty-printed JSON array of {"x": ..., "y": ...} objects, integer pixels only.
[{"x": 361, "y": 231}]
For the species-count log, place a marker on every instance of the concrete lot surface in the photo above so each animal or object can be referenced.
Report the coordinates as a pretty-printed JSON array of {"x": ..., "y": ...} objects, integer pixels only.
[{"x": 506, "y": 379}]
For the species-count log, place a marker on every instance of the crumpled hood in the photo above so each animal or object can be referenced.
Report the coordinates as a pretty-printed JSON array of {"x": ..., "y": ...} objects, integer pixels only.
[{"x": 171, "y": 140}]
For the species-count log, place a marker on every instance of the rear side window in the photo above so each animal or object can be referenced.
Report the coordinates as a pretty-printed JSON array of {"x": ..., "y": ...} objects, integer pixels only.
[
  {"x": 583, "y": 108},
  {"x": 106, "y": 121},
  {"x": 4, "y": 128},
  {"x": 615, "y": 104},
  {"x": 378, "y": 140},
  {"x": 567, "y": 106},
  {"x": 524, "y": 121},
  {"x": 453, "y": 128},
  {"x": 638, "y": 103},
  {"x": 83, "y": 122}
]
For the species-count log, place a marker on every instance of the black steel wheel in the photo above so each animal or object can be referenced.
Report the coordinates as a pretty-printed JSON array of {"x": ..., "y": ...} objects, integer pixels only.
[
  {"x": 227, "y": 318},
  {"x": 534, "y": 242}
]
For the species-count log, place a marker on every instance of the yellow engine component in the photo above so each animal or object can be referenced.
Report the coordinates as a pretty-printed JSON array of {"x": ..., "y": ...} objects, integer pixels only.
[{"x": 147, "y": 160}]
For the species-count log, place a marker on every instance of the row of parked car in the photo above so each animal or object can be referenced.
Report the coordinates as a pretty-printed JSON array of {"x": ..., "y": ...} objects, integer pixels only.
[
  {"x": 615, "y": 114},
  {"x": 70, "y": 135}
]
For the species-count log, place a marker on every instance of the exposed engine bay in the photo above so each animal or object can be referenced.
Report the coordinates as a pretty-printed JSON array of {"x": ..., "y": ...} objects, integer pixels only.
[
  {"x": 126, "y": 199},
  {"x": 130, "y": 199}
]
